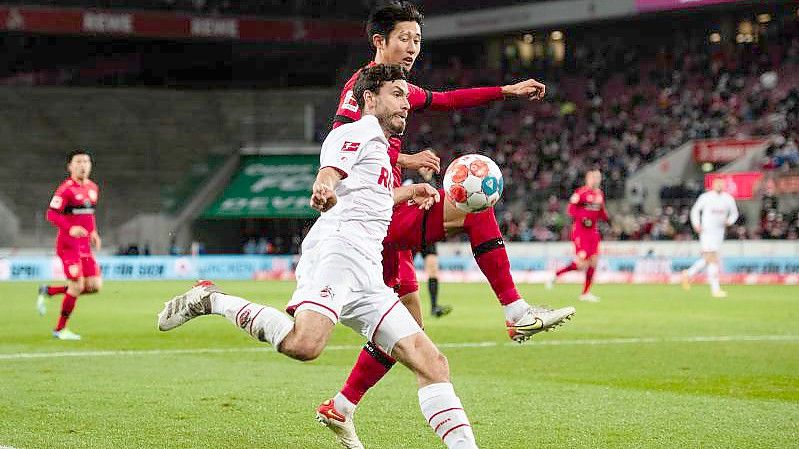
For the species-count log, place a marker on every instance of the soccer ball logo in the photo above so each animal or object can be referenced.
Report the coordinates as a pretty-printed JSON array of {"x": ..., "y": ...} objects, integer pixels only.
[{"x": 473, "y": 183}]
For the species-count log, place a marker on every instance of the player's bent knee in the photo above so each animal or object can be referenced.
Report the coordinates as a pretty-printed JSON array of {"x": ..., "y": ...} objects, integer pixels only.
[
  {"x": 302, "y": 350},
  {"x": 93, "y": 286},
  {"x": 76, "y": 287}
]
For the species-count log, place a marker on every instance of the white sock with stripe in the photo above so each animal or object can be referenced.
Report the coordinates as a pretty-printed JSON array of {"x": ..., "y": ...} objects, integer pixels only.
[
  {"x": 698, "y": 266},
  {"x": 263, "y": 323},
  {"x": 444, "y": 412},
  {"x": 713, "y": 277}
]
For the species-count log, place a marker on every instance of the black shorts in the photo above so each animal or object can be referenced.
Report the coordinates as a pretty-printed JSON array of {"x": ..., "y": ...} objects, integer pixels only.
[{"x": 429, "y": 249}]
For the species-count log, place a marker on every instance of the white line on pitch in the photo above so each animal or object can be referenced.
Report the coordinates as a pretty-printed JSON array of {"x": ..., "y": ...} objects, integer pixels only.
[{"x": 483, "y": 344}]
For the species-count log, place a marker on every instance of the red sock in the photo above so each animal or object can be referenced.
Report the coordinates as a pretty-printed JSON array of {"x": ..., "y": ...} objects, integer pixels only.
[
  {"x": 571, "y": 267},
  {"x": 56, "y": 290},
  {"x": 66, "y": 309},
  {"x": 589, "y": 278},
  {"x": 488, "y": 248},
  {"x": 372, "y": 365}
]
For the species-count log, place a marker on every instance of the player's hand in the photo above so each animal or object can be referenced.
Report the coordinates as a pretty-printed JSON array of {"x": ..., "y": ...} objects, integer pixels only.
[
  {"x": 531, "y": 89},
  {"x": 78, "y": 232},
  {"x": 423, "y": 159},
  {"x": 698, "y": 229},
  {"x": 323, "y": 198},
  {"x": 424, "y": 196},
  {"x": 95, "y": 240}
]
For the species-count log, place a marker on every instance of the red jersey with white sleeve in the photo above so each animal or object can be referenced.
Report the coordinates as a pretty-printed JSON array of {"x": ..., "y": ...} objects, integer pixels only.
[
  {"x": 587, "y": 208},
  {"x": 73, "y": 204},
  {"x": 419, "y": 99}
]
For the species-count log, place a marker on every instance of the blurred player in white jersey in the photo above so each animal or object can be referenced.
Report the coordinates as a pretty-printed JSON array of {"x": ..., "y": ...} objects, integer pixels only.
[
  {"x": 339, "y": 275},
  {"x": 713, "y": 211}
]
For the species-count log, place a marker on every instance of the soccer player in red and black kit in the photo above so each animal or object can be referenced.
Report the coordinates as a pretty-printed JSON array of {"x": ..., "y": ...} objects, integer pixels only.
[
  {"x": 587, "y": 208},
  {"x": 394, "y": 30},
  {"x": 72, "y": 212}
]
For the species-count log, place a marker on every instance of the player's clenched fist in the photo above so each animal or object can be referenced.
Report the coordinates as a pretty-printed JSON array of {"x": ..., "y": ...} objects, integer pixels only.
[
  {"x": 531, "y": 89},
  {"x": 424, "y": 196},
  {"x": 422, "y": 160},
  {"x": 323, "y": 198}
]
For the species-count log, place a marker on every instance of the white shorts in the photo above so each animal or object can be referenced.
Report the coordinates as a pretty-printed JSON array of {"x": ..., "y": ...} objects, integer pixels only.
[
  {"x": 710, "y": 242},
  {"x": 340, "y": 282}
]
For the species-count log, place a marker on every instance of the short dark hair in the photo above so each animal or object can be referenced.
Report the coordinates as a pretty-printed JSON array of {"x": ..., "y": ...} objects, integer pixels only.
[
  {"x": 78, "y": 152},
  {"x": 384, "y": 18},
  {"x": 371, "y": 78}
]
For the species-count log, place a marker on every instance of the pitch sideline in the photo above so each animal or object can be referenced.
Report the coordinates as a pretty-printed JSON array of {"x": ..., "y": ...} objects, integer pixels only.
[{"x": 484, "y": 344}]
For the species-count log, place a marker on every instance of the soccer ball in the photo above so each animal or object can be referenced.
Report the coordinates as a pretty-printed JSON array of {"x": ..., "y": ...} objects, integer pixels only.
[{"x": 473, "y": 183}]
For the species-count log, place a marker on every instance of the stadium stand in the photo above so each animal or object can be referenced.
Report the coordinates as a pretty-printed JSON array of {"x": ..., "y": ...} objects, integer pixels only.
[
  {"x": 273, "y": 8},
  {"x": 146, "y": 142},
  {"x": 599, "y": 113}
]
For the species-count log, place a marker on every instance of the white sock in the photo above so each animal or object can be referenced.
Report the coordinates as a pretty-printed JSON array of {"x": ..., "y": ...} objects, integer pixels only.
[
  {"x": 515, "y": 310},
  {"x": 713, "y": 277},
  {"x": 444, "y": 412},
  {"x": 698, "y": 266},
  {"x": 263, "y": 323},
  {"x": 343, "y": 405}
]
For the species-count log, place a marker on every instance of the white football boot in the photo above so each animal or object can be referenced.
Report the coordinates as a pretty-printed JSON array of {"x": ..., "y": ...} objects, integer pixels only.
[
  {"x": 41, "y": 300},
  {"x": 182, "y": 308},
  {"x": 588, "y": 297},
  {"x": 537, "y": 319},
  {"x": 66, "y": 334},
  {"x": 343, "y": 427}
]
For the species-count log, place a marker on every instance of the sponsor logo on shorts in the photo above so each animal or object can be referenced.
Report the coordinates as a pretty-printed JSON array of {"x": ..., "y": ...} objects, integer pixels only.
[{"x": 326, "y": 292}]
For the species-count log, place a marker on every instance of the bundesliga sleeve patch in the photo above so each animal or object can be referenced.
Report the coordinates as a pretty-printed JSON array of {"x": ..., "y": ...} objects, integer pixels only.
[
  {"x": 56, "y": 202},
  {"x": 349, "y": 102},
  {"x": 350, "y": 147}
]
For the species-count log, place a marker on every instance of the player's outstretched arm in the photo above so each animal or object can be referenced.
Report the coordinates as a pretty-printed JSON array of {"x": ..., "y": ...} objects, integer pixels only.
[
  {"x": 323, "y": 192},
  {"x": 423, "y": 195},
  {"x": 478, "y": 96}
]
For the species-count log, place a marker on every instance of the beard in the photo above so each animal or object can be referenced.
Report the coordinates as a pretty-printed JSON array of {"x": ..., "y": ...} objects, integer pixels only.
[{"x": 387, "y": 122}]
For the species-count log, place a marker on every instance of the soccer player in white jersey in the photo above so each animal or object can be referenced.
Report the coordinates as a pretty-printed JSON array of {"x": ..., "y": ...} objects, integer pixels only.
[
  {"x": 339, "y": 275},
  {"x": 713, "y": 211}
]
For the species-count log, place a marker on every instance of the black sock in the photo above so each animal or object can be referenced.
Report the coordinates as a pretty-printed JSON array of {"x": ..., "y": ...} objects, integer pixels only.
[{"x": 432, "y": 286}]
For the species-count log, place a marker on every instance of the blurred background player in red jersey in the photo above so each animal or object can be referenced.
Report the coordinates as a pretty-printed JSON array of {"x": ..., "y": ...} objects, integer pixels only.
[
  {"x": 72, "y": 212},
  {"x": 394, "y": 30},
  {"x": 587, "y": 208}
]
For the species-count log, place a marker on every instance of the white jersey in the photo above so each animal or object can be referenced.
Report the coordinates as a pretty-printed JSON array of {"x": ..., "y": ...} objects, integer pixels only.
[
  {"x": 359, "y": 151},
  {"x": 713, "y": 212}
]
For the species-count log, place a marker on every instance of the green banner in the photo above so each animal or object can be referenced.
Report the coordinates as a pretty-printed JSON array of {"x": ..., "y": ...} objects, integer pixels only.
[{"x": 268, "y": 187}]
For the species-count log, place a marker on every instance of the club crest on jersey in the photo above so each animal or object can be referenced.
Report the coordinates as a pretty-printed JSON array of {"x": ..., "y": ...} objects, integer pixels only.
[
  {"x": 244, "y": 319},
  {"x": 350, "y": 146}
]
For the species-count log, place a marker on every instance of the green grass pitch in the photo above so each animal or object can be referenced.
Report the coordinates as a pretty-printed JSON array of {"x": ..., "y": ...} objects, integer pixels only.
[{"x": 649, "y": 366}]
